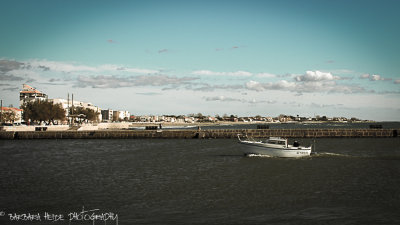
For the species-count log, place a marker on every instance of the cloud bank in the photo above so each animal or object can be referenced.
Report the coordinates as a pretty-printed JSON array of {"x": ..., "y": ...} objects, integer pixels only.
[
  {"x": 121, "y": 76},
  {"x": 104, "y": 81}
]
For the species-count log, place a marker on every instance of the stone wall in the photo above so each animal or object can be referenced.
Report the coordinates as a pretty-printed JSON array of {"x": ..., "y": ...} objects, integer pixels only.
[
  {"x": 229, "y": 133},
  {"x": 32, "y": 128},
  {"x": 302, "y": 133}
]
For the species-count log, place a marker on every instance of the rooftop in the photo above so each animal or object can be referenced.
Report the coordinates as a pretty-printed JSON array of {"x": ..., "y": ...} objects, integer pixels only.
[
  {"x": 28, "y": 89},
  {"x": 10, "y": 108}
]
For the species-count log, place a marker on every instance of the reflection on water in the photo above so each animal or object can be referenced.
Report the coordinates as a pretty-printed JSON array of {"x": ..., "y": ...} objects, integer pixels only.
[{"x": 347, "y": 181}]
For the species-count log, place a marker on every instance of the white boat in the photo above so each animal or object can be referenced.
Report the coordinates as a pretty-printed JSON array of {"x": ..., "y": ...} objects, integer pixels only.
[{"x": 275, "y": 147}]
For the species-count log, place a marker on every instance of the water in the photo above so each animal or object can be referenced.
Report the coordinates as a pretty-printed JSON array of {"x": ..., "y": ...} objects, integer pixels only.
[{"x": 156, "y": 181}]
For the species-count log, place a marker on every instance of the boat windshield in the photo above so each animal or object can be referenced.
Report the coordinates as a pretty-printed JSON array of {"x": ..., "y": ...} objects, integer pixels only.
[{"x": 276, "y": 142}]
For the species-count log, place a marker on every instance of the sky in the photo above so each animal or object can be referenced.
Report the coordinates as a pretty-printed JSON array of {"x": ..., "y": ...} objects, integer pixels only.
[{"x": 246, "y": 58}]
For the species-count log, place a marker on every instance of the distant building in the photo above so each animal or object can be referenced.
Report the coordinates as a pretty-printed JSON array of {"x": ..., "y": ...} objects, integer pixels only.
[
  {"x": 29, "y": 93},
  {"x": 123, "y": 115},
  {"x": 107, "y": 115},
  {"x": 189, "y": 120},
  {"x": 65, "y": 104}
]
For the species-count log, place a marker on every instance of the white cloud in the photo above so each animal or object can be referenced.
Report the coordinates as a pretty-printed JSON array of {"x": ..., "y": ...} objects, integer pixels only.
[
  {"x": 316, "y": 76},
  {"x": 305, "y": 87},
  {"x": 209, "y": 87},
  {"x": 103, "y": 81},
  {"x": 140, "y": 71},
  {"x": 59, "y": 66},
  {"x": 319, "y": 105},
  {"x": 222, "y": 98},
  {"x": 364, "y": 76},
  {"x": 72, "y": 67},
  {"x": 342, "y": 71},
  {"x": 265, "y": 75},
  {"x": 255, "y": 86},
  {"x": 161, "y": 80},
  {"x": 213, "y": 73},
  {"x": 280, "y": 85},
  {"x": 374, "y": 77}
]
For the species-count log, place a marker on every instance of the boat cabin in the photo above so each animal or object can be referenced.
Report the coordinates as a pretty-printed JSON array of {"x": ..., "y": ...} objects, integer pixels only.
[{"x": 276, "y": 141}]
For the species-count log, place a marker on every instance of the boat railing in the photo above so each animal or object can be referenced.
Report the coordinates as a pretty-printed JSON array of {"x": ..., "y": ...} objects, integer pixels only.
[
  {"x": 247, "y": 138},
  {"x": 238, "y": 135}
]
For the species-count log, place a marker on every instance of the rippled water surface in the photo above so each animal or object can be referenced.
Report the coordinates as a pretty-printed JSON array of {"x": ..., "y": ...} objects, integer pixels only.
[{"x": 347, "y": 181}]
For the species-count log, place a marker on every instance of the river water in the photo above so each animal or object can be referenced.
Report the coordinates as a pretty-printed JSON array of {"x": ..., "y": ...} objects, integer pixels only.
[{"x": 157, "y": 181}]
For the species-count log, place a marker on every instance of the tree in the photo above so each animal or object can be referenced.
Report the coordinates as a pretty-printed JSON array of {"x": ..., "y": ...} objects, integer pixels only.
[
  {"x": 199, "y": 115},
  {"x": 86, "y": 113},
  {"x": 8, "y": 116},
  {"x": 58, "y": 113},
  {"x": 43, "y": 111}
]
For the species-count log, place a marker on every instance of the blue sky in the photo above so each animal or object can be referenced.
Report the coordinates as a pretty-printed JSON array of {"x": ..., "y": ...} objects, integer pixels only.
[{"x": 334, "y": 58}]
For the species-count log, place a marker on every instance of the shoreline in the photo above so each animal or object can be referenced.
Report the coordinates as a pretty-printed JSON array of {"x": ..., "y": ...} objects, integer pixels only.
[
  {"x": 167, "y": 125},
  {"x": 228, "y": 123}
]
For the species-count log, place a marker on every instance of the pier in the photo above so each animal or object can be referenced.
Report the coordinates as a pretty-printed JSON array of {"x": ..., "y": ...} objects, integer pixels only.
[{"x": 203, "y": 134}]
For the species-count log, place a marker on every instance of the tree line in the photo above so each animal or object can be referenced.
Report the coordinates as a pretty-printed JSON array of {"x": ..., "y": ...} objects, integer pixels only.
[{"x": 46, "y": 111}]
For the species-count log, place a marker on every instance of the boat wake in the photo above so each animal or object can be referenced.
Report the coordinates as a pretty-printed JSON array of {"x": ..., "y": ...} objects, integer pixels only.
[
  {"x": 275, "y": 157},
  {"x": 328, "y": 154},
  {"x": 257, "y": 155}
]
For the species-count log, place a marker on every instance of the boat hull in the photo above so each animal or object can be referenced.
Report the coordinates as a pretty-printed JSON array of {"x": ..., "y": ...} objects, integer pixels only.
[{"x": 259, "y": 149}]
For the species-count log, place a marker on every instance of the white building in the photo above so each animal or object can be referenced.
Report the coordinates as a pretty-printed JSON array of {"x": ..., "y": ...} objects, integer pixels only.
[
  {"x": 29, "y": 93},
  {"x": 68, "y": 104},
  {"x": 123, "y": 115},
  {"x": 114, "y": 115}
]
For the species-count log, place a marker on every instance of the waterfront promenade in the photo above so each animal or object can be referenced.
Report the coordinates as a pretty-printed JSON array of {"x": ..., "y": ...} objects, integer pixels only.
[{"x": 202, "y": 134}]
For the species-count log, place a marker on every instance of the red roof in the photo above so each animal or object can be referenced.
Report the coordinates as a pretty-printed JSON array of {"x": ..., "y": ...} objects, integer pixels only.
[
  {"x": 10, "y": 109},
  {"x": 35, "y": 91},
  {"x": 28, "y": 89}
]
